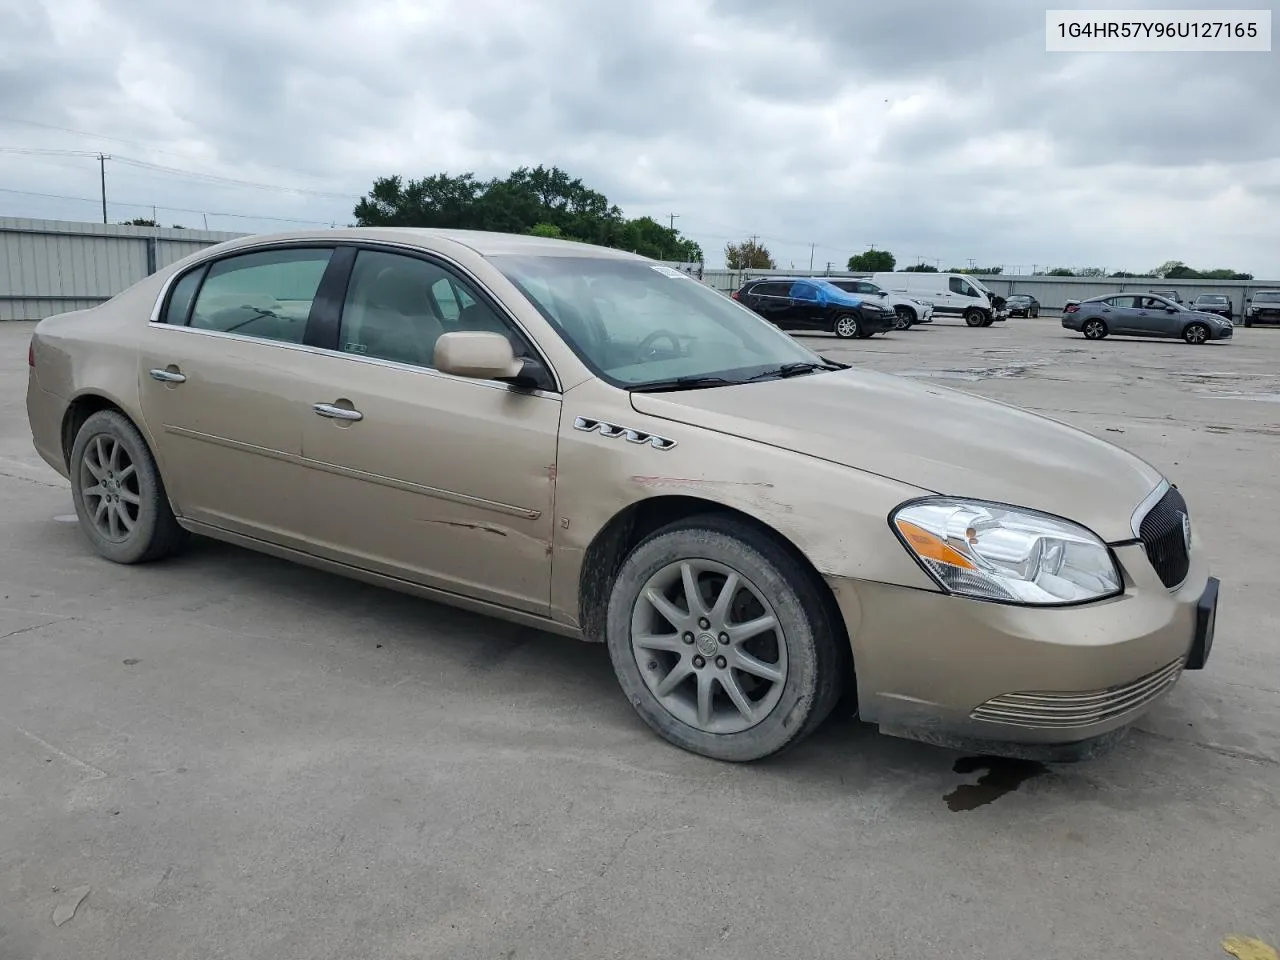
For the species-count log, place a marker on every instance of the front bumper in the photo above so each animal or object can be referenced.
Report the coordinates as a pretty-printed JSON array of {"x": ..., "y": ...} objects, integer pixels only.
[
  {"x": 932, "y": 666},
  {"x": 873, "y": 323}
]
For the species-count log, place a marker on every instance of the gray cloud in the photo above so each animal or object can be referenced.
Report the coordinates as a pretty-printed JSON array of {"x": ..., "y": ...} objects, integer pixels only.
[{"x": 930, "y": 128}]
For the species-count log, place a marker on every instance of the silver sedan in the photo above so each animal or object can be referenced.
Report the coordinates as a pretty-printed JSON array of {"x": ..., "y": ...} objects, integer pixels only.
[{"x": 1143, "y": 315}]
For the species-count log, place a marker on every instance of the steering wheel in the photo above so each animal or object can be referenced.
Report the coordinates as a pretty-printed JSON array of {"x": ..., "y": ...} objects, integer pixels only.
[{"x": 646, "y": 345}]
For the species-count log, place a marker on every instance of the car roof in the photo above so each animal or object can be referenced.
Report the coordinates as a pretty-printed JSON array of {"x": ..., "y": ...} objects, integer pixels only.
[{"x": 482, "y": 242}]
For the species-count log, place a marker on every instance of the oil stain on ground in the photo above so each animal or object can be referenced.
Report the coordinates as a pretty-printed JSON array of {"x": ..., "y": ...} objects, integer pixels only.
[{"x": 1003, "y": 775}]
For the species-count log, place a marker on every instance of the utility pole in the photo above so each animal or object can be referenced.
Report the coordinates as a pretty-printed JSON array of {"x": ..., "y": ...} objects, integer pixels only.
[
  {"x": 972, "y": 263},
  {"x": 672, "y": 218},
  {"x": 811, "y": 246},
  {"x": 102, "y": 173}
]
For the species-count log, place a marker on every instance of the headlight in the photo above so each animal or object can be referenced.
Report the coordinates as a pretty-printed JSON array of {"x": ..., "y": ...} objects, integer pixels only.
[{"x": 990, "y": 552}]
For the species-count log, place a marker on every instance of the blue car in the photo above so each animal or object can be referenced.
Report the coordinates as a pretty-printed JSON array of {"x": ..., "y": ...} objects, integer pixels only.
[{"x": 817, "y": 305}]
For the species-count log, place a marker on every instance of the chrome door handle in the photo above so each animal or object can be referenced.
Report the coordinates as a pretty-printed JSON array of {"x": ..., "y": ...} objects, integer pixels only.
[
  {"x": 168, "y": 376},
  {"x": 337, "y": 413}
]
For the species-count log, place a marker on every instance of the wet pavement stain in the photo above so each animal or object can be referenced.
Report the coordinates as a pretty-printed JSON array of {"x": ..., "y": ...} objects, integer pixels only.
[{"x": 1004, "y": 775}]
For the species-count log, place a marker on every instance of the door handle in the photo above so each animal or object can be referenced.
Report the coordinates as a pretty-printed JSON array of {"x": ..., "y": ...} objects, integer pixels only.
[
  {"x": 168, "y": 376},
  {"x": 337, "y": 413}
]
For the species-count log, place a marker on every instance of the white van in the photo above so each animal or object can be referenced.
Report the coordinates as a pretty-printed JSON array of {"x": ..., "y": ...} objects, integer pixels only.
[{"x": 952, "y": 294}]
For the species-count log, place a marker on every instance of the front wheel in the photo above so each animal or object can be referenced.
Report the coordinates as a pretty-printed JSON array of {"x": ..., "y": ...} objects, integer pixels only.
[
  {"x": 974, "y": 318},
  {"x": 722, "y": 646},
  {"x": 1035, "y": 311},
  {"x": 904, "y": 318},
  {"x": 1195, "y": 333},
  {"x": 846, "y": 326},
  {"x": 119, "y": 496}
]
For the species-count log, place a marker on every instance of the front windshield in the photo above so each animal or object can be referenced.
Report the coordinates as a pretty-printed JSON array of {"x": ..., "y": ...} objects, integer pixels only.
[
  {"x": 1267, "y": 298},
  {"x": 636, "y": 323},
  {"x": 1211, "y": 299}
]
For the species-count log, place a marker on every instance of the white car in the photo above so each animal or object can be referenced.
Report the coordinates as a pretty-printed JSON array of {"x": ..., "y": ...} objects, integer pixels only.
[
  {"x": 952, "y": 294},
  {"x": 909, "y": 310}
]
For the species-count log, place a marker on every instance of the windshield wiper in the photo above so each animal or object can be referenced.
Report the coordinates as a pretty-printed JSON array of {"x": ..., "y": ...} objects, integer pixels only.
[
  {"x": 793, "y": 370},
  {"x": 682, "y": 383}
]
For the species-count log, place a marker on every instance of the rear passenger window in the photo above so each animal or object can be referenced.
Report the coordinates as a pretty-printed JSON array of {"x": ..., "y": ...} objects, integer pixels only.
[
  {"x": 266, "y": 294},
  {"x": 184, "y": 291}
]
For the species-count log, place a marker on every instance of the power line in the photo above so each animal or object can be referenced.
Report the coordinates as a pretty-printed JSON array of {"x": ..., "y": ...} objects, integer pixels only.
[{"x": 153, "y": 207}]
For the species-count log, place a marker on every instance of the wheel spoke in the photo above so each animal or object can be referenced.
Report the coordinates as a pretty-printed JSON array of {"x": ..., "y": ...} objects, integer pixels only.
[
  {"x": 756, "y": 667},
  {"x": 692, "y": 596},
  {"x": 729, "y": 683},
  {"x": 670, "y": 612},
  {"x": 669, "y": 642},
  {"x": 95, "y": 491},
  {"x": 100, "y": 452},
  {"x": 720, "y": 612},
  {"x": 126, "y": 473},
  {"x": 113, "y": 459},
  {"x": 706, "y": 691},
  {"x": 740, "y": 632},
  {"x": 132, "y": 498},
  {"x": 113, "y": 520},
  {"x": 102, "y": 509},
  {"x": 93, "y": 464},
  {"x": 678, "y": 675},
  {"x": 126, "y": 521}
]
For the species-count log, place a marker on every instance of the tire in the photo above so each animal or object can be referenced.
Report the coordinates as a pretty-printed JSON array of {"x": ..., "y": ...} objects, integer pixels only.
[
  {"x": 846, "y": 327},
  {"x": 1195, "y": 333},
  {"x": 973, "y": 318},
  {"x": 127, "y": 518},
  {"x": 1248, "y": 321},
  {"x": 805, "y": 652},
  {"x": 905, "y": 317},
  {"x": 1094, "y": 329},
  {"x": 1035, "y": 312}
]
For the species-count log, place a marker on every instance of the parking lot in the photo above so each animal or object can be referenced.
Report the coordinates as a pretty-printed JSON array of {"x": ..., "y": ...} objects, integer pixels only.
[{"x": 229, "y": 756}]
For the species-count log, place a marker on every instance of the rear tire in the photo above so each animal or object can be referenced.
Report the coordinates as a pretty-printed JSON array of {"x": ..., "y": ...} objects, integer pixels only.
[
  {"x": 973, "y": 318},
  {"x": 1094, "y": 330},
  {"x": 1195, "y": 333},
  {"x": 846, "y": 327},
  {"x": 119, "y": 496},
  {"x": 671, "y": 657}
]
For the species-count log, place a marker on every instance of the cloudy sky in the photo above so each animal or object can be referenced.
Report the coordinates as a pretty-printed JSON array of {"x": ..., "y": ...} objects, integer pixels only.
[{"x": 938, "y": 130}]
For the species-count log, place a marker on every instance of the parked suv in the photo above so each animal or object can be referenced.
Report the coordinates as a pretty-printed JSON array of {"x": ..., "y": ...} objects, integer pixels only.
[
  {"x": 812, "y": 303},
  {"x": 1213, "y": 303},
  {"x": 1264, "y": 307},
  {"x": 909, "y": 310}
]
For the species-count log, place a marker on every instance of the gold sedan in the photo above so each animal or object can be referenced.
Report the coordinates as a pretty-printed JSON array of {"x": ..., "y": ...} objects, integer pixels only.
[{"x": 591, "y": 443}]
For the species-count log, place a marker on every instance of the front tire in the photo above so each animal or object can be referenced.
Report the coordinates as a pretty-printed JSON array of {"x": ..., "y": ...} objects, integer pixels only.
[
  {"x": 846, "y": 327},
  {"x": 1195, "y": 333},
  {"x": 119, "y": 496},
  {"x": 973, "y": 318},
  {"x": 905, "y": 318},
  {"x": 1094, "y": 330},
  {"x": 721, "y": 644}
]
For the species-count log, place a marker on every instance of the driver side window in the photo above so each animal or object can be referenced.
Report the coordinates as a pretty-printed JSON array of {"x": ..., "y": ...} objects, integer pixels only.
[
  {"x": 805, "y": 292},
  {"x": 959, "y": 286}
]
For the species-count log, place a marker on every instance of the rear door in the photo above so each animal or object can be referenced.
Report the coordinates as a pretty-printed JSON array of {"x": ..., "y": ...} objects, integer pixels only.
[
  {"x": 772, "y": 300},
  {"x": 441, "y": 480},
  {"x": 224, "y": 380}
]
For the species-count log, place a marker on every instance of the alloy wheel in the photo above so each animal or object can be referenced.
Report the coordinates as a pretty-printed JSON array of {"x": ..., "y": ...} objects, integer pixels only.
[{"x": 109, "y": 488}]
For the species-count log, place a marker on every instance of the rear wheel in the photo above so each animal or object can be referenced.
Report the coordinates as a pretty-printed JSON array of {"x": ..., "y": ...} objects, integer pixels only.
[
  {"x": 1248, "y": 321},
  {"x": 1094, "y": 329},
  {"x": 1196, "y": 333},
  {"x": 721, "y": 644},
  {"x": 119, "y": 496},
  {"x": 1035, "y": 311},
  {"x": 846, "y": 326},
  {"x": 973, "y": 318}
]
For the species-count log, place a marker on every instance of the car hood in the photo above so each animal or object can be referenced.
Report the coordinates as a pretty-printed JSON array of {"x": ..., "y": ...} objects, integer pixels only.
[{"x": 930, "y": 437}]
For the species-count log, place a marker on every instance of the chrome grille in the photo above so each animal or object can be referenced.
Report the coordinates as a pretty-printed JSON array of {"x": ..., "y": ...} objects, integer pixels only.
[
  {"x": 1078, "y": 709},
  {"x": 1165, "y": 539}
]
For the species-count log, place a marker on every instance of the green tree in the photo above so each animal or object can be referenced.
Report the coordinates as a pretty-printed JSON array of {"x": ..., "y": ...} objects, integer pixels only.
[
  {"x": 872, "y": 261},
  {"x": 545, "y": 201},
  {"x": 139, "y": 222},
  {"x": 920, "y": 268},
  {"x": 749, "y": 254},
  {"x": 1060, "y": 272}
]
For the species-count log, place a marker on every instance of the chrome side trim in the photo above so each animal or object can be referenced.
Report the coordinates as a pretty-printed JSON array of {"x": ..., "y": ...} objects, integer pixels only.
[
  {"x": 1141, "y": 510},
  {"x": 352, "y": 357},
  {"x": 630, "y": 434},
  {"x": 433, "y": 492}
]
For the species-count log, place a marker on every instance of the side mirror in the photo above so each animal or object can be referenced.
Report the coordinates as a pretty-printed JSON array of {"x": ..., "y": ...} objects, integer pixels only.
[{"x": 477, "y": 354}]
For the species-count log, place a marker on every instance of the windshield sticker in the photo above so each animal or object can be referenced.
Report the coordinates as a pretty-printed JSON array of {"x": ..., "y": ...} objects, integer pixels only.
[{"x": 668, "y": 272}]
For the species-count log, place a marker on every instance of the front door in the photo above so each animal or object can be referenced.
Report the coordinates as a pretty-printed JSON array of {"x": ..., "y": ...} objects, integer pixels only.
[
  {"x": 223, "y": 378},
  {"x": 809, "y": 308},
  {"x": 438, "y": 479}
]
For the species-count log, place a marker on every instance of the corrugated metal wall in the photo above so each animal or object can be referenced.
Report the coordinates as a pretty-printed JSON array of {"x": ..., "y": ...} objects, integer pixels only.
[{"x": 54, "y": 266}]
